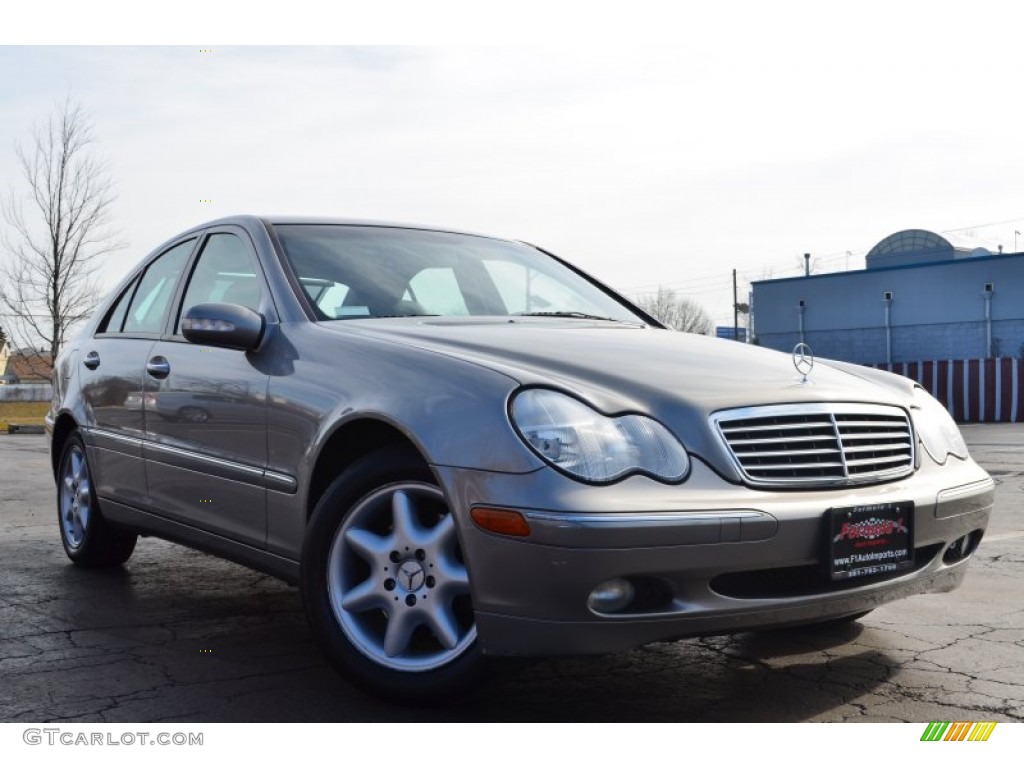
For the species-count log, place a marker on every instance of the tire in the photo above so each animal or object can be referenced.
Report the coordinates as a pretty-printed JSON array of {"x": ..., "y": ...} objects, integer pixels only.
[
  {"x": 88, "y": 539},
  {"x": 384, "y": 585}
]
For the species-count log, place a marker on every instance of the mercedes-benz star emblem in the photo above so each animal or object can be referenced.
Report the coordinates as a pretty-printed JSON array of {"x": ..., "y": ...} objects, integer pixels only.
[
  {"x": 803, "y": 359},
  {"x": 411, "y": 575}
]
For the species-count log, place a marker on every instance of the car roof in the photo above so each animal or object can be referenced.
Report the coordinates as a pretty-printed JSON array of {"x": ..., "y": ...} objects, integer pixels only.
[{"x": 250, "y": 220}]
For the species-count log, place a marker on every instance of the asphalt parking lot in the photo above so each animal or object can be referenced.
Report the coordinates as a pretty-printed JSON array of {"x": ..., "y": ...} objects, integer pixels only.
[{"x": 181, "y": 636}]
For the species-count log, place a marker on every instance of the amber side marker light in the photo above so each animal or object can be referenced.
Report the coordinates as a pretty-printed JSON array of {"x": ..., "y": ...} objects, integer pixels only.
[{"x": 507, "y": 522}]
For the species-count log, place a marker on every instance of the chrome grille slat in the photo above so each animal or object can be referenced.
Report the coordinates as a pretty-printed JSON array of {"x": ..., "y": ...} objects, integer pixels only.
[
  {"x": 827, "y": 444},
  {"x": 875, "y": 436},
  {"x": 884, "y": 424},
  {"x": 811, "y": 452},
  {"x": 877, "y": 460},
  {"x": 769, "y": 427},
  {"x": 905, "y": 447},
  {"x": 787, "y": 467},
  {"x": 799, "y": 439}
]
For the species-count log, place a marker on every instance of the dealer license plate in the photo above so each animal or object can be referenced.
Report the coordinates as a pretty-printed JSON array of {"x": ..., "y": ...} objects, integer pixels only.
[{"x": 871, "y": 539}]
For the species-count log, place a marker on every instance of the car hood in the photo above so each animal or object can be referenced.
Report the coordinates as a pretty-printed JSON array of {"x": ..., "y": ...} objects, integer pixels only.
[{"x": 678, "y": 378}]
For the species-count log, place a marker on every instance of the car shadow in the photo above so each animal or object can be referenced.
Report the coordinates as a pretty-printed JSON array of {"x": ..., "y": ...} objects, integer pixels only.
[{"x": 180, "y": 636}]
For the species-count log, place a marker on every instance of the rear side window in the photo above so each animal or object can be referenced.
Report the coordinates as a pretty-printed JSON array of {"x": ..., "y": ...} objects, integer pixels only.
[
  {"x": 114, "y": 321},
  {"x": 149, "y": 305}
]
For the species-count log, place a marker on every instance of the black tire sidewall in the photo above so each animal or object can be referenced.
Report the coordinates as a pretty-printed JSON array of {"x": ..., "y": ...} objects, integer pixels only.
[{"x": 360, "y": 479}]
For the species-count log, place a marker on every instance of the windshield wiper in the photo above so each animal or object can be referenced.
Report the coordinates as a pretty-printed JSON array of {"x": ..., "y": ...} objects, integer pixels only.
[
  {"x": 579, "y": 315},
  {"x": 376, "y": 317}
]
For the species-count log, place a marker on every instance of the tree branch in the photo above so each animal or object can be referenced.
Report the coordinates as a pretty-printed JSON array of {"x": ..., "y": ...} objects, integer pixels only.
[{"x": 53, "y": 250}]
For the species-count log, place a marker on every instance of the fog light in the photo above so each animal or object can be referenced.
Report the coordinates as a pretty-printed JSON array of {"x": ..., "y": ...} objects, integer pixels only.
[
  {"x": 961, "y": 548},
  {"x": 611, "y": 596}
]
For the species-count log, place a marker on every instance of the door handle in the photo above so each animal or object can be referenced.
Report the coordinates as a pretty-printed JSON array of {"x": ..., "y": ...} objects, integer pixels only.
[
  {"x": 92, "y": 361},
  {"x": 158, "y": 367}
]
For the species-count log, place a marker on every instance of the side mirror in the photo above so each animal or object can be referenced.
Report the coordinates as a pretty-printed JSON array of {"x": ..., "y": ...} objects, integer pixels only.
[{"x": 223, "y": 325}]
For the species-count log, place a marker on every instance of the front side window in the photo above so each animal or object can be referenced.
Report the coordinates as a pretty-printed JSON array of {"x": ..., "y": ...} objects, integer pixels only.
[
  {"x": 223, "y": 273},
  {"x": 349, "y": 272},
  {"x": 149, "y": 305}
]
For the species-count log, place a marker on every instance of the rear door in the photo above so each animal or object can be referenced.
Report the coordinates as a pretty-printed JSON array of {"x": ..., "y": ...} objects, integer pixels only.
[{"x": 112, "y": 363}]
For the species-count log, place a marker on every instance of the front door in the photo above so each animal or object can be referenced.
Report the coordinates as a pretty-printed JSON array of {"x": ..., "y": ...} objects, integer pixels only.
[{"x": 206, "y": 407}]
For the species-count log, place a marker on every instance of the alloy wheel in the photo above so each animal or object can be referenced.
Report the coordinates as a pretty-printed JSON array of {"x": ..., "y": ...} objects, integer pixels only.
[
  {"x": 75, "y": 498},
  {"x": 397, "y": 583}
]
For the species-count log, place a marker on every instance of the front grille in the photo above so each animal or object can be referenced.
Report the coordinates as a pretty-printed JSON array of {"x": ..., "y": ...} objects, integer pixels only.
[{"x": 818, "y": 443}]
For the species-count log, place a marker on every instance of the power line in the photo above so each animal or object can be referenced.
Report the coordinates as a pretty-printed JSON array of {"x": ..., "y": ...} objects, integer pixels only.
[{"x": 980, "y": 226}]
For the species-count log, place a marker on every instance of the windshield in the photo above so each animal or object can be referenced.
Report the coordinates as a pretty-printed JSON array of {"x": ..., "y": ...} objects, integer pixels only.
[{"x": 351, "y": 272}]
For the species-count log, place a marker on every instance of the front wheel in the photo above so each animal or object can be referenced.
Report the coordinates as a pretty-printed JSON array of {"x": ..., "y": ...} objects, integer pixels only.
[{"x": 385, "y": 585}]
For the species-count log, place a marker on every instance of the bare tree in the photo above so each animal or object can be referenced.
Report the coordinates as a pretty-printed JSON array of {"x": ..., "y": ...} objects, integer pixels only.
[
  {"x": 58, "y": 234},
  {"x": 675, "y": 311}
]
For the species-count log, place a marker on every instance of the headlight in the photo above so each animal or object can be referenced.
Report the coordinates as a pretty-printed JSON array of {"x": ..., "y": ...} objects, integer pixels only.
[
  {"x": 591, "y": 446},
  {"x": 936, "y": 428}
]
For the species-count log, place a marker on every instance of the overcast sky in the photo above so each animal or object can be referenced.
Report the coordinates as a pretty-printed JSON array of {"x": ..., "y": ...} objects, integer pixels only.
[{"x": 642, "y": 165}]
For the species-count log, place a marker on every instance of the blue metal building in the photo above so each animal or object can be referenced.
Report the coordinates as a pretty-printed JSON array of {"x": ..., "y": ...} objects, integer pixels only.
[{"x": 919, "y": 298}]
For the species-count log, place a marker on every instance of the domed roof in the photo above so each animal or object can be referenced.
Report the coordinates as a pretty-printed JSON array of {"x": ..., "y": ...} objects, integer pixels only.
[
  {"x": 916, "y": 241},
  {"x": 919, "y": 246}
]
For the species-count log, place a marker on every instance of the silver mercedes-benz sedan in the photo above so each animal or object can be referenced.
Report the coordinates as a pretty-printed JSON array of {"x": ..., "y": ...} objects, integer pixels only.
[{"x": 461, "y": 446}]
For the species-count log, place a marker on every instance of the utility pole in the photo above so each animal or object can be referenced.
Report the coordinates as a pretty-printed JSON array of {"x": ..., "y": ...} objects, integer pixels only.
[{"x": 735, "y": 310}]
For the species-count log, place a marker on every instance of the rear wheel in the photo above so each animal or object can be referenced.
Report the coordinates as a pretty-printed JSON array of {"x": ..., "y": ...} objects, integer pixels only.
[
  {"x": 87, "y": 538},
  {"x": 385, "y": 585}
]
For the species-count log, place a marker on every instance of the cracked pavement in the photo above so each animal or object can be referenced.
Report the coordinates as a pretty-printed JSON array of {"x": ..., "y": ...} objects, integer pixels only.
[{"x": 181, "y": 636}]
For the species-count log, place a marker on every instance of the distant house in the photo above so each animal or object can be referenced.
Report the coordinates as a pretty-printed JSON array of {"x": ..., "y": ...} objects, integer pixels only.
[{"x": 26, "y": 367}]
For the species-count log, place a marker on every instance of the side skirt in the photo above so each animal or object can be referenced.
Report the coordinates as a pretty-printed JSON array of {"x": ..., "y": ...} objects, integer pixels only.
[{"x": 152, "y": 525}]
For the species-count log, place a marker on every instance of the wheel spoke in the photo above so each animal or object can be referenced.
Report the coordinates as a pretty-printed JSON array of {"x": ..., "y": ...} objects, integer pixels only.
[
  {"x": 442, "y": 536},
  {"x": 401, "y": 625},
  {"x": 405, "y": 525},
  {"x": 442, "y": 623},
  {"x": 76, "y": 529},
  {"x": 365, "y": 597},
  {"x": 452, "y": 579},
  {"x": 368, "y": 545}
]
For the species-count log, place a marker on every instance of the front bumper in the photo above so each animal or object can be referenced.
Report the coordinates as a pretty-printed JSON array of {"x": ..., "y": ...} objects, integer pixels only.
[{"x": 711, "y": 557}]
